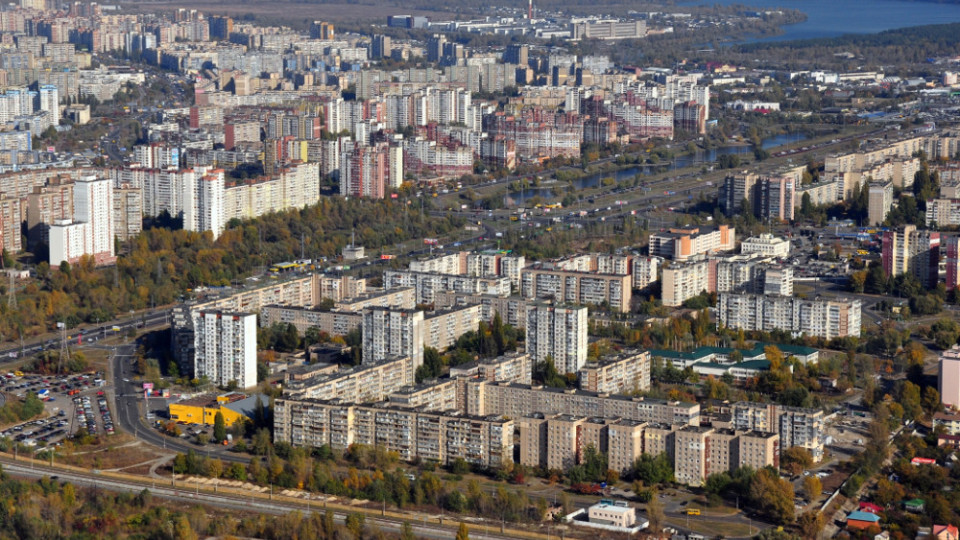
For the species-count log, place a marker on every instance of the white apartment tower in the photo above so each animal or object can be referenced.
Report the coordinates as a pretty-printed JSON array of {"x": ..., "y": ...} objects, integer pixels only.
[
  {"x": 390, "y": 333},
  {"x": 91, "y": 230},
  {"x": 559, "y": 332},
  {"x": 225, "y": 348},
  {"x": 49, "y": 97}
]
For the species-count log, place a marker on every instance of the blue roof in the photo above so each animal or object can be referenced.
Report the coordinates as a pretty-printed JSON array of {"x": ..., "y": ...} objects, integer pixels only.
[{"x": 863, "y": 516}]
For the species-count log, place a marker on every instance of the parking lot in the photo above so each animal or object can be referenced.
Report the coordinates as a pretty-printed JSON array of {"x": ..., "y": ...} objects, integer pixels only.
[{"x": 68, "y": 403}]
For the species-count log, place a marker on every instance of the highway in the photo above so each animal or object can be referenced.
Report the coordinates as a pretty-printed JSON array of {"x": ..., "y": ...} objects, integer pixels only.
[
  {"x": 184, "y": 494},
  {"x": 89, "y": 335}
]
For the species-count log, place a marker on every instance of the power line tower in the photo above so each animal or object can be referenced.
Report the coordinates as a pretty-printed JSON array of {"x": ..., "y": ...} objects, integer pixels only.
[
  {"x": 11, "y": 291},
  {"x": 64, "y": 348}
]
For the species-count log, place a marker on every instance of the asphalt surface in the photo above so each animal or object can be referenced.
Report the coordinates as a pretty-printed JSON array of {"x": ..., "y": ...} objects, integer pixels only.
[{"x": 129, "y": 406}]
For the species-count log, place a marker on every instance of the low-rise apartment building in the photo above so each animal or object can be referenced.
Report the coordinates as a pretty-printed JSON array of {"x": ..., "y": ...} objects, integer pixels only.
[
  {"x": 366, "y": 383},
  {"x": 817, "y": 317},
  {"x": 796, "y": 426},
  {"x": 682, "y": 244},
  {"x": 510, "y": 367},
  {"x": 512, "y": 309}
]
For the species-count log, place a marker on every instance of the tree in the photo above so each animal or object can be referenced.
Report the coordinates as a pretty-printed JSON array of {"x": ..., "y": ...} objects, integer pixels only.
[
  {"x": 811, "y": 523},
  {"x": 355, "y": 523},
  {"x": 463, "y": 533},
  {"x": 812, "y": 487},
  {"x": 219, "y": 428},
  {"x": 653, "y": 470},
  {"x": 772, "y": 496},
  {"x": 796, "y": 459},
  {"x": 406, "y": 532},
  {"x": 655, "y": 512}
]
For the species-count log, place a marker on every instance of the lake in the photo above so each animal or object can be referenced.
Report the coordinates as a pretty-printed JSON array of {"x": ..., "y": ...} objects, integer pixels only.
[{"x": 832, "y": 18}]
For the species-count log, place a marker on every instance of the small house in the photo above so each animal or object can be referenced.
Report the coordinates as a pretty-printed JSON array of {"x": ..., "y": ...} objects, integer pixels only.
[
  {"x": 914, "y": 505},
  {"x": 861, "y": 520}
]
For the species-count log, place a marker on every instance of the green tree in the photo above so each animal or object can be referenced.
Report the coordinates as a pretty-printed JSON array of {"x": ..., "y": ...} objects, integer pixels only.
[
  {"x": 463, "y": 533},
  {"x": 219, "y": 428},
  {"x": 653, "y": 470},
  {"x": 406, "y": 532},
  {"x": 355, "y": 523}
]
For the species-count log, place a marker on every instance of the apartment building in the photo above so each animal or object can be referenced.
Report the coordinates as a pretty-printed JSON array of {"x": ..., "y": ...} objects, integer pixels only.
[
  {"x": 518, "y": 400},
  {"x": 768, "y": 197},
  {"x": 559, "y": 332},
  {"x": 127, "y": 212},
  {"x": 400, "y": 298},
  {"x": 751, "y": 273},
  {"x": 45, "y": 205},
  {"x": 684, "y": 280},
  {"x": 225, "y": 346},
  {"x": 559, "y": 441},
  {"x": 943, "y": 212},
  {"x": 389, "y": 333},
  {"x": 620, "y": 373},
  {"x": 428, "y": 285},
  {"x": 90, "y": 232},
  {"x": 682, "y": 244},
  {"x": 766, "y": 244},
  {"x": 334, "y": 323},
  {"x": 510, "y": 367},
  {"x": 441, "y": 329},
  {"x": 948, "y": 376},
  {"x": 512, "y": 309},
  {"x": 828, "y": 319},
  {"x": 796, "y": 426},
  {"x": 433, "y": 395},
  {"x": 910, "y": 251},
  {"x": 360, "y": 384},
  {"x": 11, "y": 216},
  {"x": 952, "y": 262},
  {"x": 646, "y": 271},
  {"x": 441, "y": 437},
  {"x": 879, "y": 202},
  {"x": 691, "y": 461},
  {"x": 577, "y": 287}
]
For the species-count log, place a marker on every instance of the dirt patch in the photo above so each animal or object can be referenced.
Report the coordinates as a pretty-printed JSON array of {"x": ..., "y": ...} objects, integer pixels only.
[{"x": 107, "y": 455}]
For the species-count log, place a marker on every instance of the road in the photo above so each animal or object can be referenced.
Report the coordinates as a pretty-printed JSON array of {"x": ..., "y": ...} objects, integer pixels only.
[
  {"x": 192, "y": 497},
  {"x": 148, "y": 319},
  {"x": 128, "y": 400}
]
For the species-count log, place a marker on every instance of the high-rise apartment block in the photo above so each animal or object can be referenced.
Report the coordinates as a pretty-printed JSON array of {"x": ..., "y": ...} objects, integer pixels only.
[
  {"x": 953, "y": 262},
  {"x": 225, "y": 348},
  {"x": 949, "y": 377},
  {"x": 910, "y": 251},
  {"x": 391, "y": 333},
  {"x": 90, "y": 232},
  {"x": 828, "y": 319},
  {"x": 879, "y": 202},
  {"x": 767, "y": 197},
  {"x": 796, "y": 426},
  {"x": 559, "y": 332}
]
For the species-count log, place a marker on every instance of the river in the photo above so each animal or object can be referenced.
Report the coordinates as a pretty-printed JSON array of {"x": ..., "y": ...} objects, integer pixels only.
[
  {"x": 701, "y": 157},
  {"x": 832, "y": 18}
]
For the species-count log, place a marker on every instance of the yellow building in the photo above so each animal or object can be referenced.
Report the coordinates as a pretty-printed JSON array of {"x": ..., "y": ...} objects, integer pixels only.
[{"x": 203, "y": 409}]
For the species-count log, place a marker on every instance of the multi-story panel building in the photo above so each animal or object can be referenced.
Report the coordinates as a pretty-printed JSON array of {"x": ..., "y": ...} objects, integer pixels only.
[
  {"x": 334, "y": 323},
  {"x": 482, "y": 441},
  {"x": 880, "y": 200},
  {"x": 796, "y": 426},
  {"x": 428, "y": 285},
  {"x": 391, "y": 333},
  {"x": 626, "y": 371},
  {"x": 578, "y": 287},
  {"x": 362, "y": 384},
  {"x": 90, "y": 232},
  {"x": 682, "y": 244},
  {"x": 225, "y": 346},
  {"x": 510, "y": 367},
  {"x": 127, "y": 212},
  {"x": 691, "y": 454},
  {"x": 10, "y": 220},
  {"x": 910, "y": 251},
  {"x": 682, "y": 281},
  {"x": 949, "y": 377},
  {"x": 645, "y": 271},
  {"x": 766, "y": 244},
  {"x": 441, "y": 329},
  {"x": 512, "y": 309},
  {"x": 822, "y": 318},
  {"x": 558, "y": 332},
  {"x": 517, "y": 400}
]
